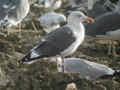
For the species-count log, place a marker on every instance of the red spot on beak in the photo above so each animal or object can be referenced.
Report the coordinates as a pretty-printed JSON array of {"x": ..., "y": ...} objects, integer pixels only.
[{"x": 90, "y": 20}]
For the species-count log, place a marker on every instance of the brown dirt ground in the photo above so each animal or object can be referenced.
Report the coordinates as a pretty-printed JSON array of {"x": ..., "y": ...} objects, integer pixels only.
[{"x": 43, "y": 75}]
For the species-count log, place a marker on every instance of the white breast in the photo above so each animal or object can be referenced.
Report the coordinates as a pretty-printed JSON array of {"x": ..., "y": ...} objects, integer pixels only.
[{"x": 79, "y": 34}]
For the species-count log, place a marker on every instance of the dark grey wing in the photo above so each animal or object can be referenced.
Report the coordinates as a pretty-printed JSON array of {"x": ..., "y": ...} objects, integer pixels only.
[
  {"x": 98, "y": 9},
  {"x": 104, "y": 23},
  {"x": 51, "y": 45},
  {"x": 55, "y": 42}
]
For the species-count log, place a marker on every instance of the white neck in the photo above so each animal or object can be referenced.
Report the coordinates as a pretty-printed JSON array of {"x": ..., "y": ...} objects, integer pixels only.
[
  {"x": 76, "y": 25},
  {"x": 78, "y": 29},
  {"x": 24, "y": 2},
  {"x": 23, "y": 9}
]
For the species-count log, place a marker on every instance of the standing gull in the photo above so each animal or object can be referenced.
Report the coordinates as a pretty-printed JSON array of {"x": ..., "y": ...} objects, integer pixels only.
[
  {"x": 32, "y": 1},
  {"x": 100, "y": 4},
  {"x": 87, "y": 69},
  {"x": 106, "y": 26},
  {"x": 91, "y": 4},
  {"x": 49, "y": 4},
  {"x": 99, "y": 7},
  {"x": 51, "y": 21},
  {"x": 62, "y": 41},
  {"x": 13, "y": 12}
]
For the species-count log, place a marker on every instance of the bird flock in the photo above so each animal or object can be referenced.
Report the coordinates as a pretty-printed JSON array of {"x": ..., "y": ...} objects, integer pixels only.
[{"x": 63, "y": 40}]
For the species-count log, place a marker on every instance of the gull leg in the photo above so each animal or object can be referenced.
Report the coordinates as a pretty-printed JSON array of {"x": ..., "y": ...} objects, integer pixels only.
[
  {"x": 20, "y": 29},
  {"x": 33, "y": 19},
  {"x": 109, "y": 47},
  {"x": 62, "y": 63},
  {"x": 20, "y": 26},
  {"x": 62, "y": 60},
  {"x": 34, "y": 26},
  {"x": 8, "y": 33},
  {"x": 57, "y": 62},
  {"x": 114, "y": 50}
]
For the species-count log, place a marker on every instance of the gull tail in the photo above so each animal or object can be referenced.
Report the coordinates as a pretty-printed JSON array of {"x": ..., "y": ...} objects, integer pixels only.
[
  {"x": 29, "y": 58},
  {"x": 117, "y": 72},
  {"x": 25, "y": 59}
]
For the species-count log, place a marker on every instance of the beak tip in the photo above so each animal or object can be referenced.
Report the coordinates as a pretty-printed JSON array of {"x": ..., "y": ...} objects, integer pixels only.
[{"x": 90, "y": 20}]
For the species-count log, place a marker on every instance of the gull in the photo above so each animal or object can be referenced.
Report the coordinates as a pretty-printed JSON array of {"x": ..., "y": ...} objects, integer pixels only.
[
  {"x": 75, "y": 3},
  {"x": 87, "y": 69},
  {"x": 49, "y": 4},
  {"x": 91, "y": 4},
  {"x": 12, "y": 13},
  {"x": 51, "y": 21},
  {"x": 110, "y": 5},
  {"x": 46, "y": 6},
  {"x": 62, "y": 42},
  {"x": 97, "y": 3},
  {"x": 97, "y": 7},
  {"x": 32, "y": 1},
  {"x": 106, "y": 27}
]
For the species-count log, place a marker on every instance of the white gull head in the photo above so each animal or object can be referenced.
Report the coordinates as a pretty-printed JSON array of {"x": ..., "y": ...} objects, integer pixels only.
[{"x": 78, "y": 17}]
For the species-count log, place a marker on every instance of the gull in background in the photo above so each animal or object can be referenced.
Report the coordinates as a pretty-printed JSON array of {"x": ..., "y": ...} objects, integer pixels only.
[
  {"x": 48, "y": 7},
  {"x": 49, "y": 4},
  {"x": 106, "y": 3},
  {"x": 32, "y": 1},
  {"x": 91, "y": 4},
  {"x": 13, "y": 12},
  {"x": 106, "y": 27},
  {"x": 98, "y": 7},
  {"x": 51, "y": 21},
  {"x": 62, "y": 42},
  {"x": 87, "y": 69}
]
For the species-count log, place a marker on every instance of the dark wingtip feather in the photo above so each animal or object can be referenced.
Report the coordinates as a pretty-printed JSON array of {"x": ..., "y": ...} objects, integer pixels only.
[
  {"x": 24, "y": 59},
  {"x": 117, "y": 72},
  {"x": 20, "y": 62}
]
